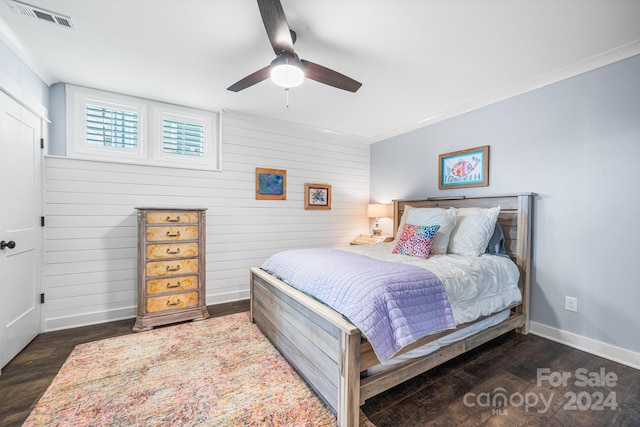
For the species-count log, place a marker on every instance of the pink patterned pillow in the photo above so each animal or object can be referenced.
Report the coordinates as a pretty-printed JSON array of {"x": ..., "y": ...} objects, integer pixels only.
[{"x": 415, "y": 240}]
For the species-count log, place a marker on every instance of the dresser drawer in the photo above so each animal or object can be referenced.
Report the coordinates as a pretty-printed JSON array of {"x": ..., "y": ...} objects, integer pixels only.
[
  {"x": 172, "y": 250},
  {"x": 171, "y": 268},
  {"x": 172, "y": 233},
  {"x": 172, "y": 217},
  {"x": 172, "y": 284},
  {"x": 172, "y": 302}
]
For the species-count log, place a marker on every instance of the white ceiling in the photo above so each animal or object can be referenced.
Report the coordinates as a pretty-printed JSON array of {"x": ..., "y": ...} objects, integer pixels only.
[{"x": 419, "y": 60}]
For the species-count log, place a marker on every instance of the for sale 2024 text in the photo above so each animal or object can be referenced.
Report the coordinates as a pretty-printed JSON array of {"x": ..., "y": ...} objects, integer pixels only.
[{"x": 597, "y": 400}]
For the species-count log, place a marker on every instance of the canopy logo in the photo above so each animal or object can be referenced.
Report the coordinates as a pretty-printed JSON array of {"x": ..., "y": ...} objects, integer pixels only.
[{"x": 594, "y": 400}]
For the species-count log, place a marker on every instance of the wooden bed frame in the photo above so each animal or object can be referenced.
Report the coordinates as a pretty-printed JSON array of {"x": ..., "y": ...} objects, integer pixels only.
[{"x": 329, "y": 351}]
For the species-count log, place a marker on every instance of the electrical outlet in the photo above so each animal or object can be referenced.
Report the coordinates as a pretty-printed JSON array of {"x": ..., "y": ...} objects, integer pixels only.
[{"x": 571, "y": 304}]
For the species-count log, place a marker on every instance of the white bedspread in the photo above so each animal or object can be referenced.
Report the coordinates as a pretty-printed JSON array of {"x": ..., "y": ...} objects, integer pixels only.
[{"x": 475, "y": 286}]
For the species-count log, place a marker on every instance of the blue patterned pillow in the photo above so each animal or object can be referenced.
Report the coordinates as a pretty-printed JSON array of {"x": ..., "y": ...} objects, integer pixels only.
[{"x": 415, "y": 240}]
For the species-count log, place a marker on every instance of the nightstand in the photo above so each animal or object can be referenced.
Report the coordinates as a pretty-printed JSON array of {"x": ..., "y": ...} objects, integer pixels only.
[{"x": 368, "y": 239}]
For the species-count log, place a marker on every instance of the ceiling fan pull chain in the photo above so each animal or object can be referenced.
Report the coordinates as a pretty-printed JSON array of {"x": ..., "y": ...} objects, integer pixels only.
[{"x": 286, "y": 90}]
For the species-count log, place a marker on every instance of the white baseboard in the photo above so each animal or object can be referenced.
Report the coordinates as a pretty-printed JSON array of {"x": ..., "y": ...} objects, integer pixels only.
[
  {"x": 86, "y": 319},
  {"x": 608, "y": 351},
  {"x": 227, "y": 297}
]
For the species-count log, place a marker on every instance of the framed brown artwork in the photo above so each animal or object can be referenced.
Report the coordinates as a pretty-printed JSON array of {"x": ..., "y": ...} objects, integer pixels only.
[
  {"x": 317, "y": 196},
  {"x": 464, "y": 168},
  {"x": 271, "y": 184}
]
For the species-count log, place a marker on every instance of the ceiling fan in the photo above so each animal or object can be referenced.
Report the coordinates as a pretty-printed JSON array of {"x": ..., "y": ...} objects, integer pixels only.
[{"x": 288, "y": 70}]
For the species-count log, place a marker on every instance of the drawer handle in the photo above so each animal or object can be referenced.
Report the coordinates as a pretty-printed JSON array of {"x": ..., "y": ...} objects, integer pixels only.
[
  {"x": 170, "y": 252},
  {"x": 171, "y": 286},
  {"x": 176, "y": 219},
  {"x": 173, "y": 303},
  {"x": 169, "y": 234},
  {"x": 176, "y": 268}
]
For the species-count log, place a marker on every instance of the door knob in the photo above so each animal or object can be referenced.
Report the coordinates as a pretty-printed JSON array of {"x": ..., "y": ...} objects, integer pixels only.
[{"x": 10, "y": 244}]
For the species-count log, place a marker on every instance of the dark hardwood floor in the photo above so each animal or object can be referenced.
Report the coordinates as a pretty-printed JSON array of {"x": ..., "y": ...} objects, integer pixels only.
[{"x": 466, "y": 391}]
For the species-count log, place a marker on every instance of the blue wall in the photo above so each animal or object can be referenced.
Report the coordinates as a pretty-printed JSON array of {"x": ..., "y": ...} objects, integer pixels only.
[
  {"x": 577, "y": 144},
  {"x": 17, "y": 71}
]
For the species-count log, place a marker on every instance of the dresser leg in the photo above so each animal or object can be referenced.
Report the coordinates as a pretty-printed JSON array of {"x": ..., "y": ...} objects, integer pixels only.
[{"x": 141, "y": 327}]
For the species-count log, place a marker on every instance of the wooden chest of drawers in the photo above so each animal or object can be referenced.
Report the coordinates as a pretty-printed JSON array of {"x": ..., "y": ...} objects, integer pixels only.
[{"x": 171, "y": 266}]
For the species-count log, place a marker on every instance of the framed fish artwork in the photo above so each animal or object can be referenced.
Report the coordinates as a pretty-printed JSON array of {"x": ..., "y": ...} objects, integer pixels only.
[
  {"x": 465, "y": 168},
  {"x": 271, "y": 184}
]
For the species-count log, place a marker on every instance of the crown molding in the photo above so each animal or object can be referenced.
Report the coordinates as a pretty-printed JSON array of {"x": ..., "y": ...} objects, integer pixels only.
[
  {"x": 17, "y": 46},
  {"x": 597, "y": 61}
]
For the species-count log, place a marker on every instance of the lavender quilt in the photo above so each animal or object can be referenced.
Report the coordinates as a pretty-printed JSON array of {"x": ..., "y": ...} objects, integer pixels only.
[{"x": 392, "y": 304}]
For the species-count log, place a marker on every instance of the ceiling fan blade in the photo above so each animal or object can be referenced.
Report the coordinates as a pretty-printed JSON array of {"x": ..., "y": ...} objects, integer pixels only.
[
  {"x": 251, "y": 79},
  {"x": 275, "y": 22},
  {"x": 329, "y": 77}
]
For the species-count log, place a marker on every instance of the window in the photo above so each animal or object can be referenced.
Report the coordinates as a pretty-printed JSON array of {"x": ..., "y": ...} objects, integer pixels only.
[
  {"x": 105, "y": 126},
  {"x": 182, "y": 138},
  {"x": 111, "y": 127},
  {"x": 184, "y": 135}
]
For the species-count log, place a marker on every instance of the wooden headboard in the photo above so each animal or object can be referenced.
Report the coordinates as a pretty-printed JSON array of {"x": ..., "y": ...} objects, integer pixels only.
[{"x": 515, "y": 220}]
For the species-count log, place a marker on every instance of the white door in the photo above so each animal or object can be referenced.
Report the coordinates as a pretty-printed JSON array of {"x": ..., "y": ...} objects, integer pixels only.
[{"x": 20, "y": 231}]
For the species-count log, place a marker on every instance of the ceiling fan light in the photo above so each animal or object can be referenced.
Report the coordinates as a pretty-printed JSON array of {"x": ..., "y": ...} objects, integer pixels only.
[{"x": 287, "y": 75}]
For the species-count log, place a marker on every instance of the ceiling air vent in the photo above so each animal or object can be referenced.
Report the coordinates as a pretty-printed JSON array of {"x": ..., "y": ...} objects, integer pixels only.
[{"x": 42, "y": 14}]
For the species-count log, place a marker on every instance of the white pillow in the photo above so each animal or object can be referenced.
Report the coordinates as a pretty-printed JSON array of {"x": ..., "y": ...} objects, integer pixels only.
[
  {"x": 403, "y": 220},
  {"x": 473, "y": 230},
  {"x": 445, "y": 218}
]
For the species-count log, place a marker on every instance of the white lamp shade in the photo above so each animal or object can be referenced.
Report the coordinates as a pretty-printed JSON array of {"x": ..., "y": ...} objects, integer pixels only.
[
  {"x": 287, "y": 75},
  {"x": 376, "y": 210}
]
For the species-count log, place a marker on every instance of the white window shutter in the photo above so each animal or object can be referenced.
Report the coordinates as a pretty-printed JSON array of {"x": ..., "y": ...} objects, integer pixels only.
[
  {"x": 182, "y": 138},
  {"x": 110, "y": 127}
]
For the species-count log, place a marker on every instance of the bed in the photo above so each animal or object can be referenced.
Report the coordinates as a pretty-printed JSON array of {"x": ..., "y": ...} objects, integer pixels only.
[{"x": 332, "y": 354}]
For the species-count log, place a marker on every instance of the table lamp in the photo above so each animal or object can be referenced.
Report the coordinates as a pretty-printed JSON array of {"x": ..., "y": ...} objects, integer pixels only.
[{"x": 377, "y": 211}]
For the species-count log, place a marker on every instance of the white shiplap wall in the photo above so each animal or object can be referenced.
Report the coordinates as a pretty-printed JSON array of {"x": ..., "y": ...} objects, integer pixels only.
[{"x": 90, "y": 233}]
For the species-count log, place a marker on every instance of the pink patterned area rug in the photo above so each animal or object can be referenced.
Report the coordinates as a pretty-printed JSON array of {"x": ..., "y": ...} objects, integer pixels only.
[{"x": 217, "y": 372}]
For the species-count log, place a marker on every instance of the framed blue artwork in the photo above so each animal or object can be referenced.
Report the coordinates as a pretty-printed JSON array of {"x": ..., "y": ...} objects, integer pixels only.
[
  {"x": 465, "y": 168},
  {"x": 271, "y": 184},
  {"x": 317, "y": 196}
]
